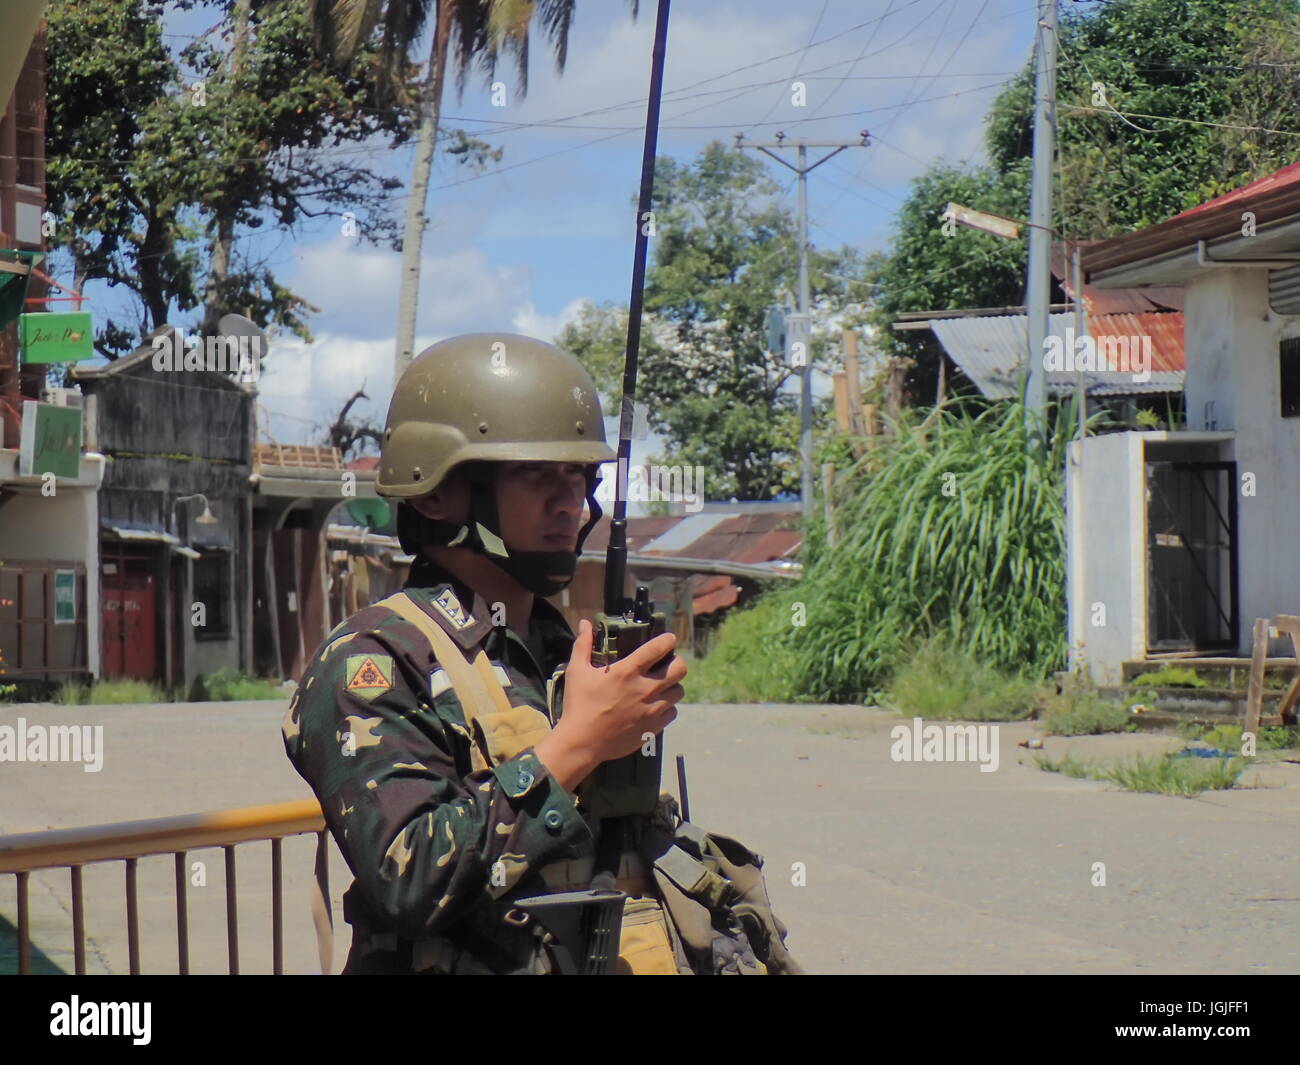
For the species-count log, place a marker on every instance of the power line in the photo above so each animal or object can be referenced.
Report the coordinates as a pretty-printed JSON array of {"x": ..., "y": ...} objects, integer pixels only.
[
  {"x": 960, "y": 44},
  {"x": 1175, "y": 118},
  {"x": 802, "y": 55},
  {"x": 858, "y": 59}
]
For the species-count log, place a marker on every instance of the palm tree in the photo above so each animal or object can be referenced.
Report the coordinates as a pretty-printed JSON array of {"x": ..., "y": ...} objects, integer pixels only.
[{"x": 477, "y": 30}]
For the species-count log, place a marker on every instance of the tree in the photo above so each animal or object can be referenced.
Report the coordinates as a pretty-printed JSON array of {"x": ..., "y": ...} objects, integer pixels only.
[
  {"x": 725, "y": 250},
  {"x": 1221, "y": 73},
  {"x": 150, "y": 180},
  {"x": 476, "y": 30}
]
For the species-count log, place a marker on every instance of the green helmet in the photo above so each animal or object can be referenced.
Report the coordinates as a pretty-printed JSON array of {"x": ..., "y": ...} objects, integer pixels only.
[
  {"x": 485, "y": 398},
  {"x": 488, "y": 397}
]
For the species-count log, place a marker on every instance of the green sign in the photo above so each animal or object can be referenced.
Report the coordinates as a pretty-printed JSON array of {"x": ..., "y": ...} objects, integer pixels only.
[
  {"x": 65, "y": 595},
  {"x": 50, "y": 441},
  {"x": 62, "y": 336}
]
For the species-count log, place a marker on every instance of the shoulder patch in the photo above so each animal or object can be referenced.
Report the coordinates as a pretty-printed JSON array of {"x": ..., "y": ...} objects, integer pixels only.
[
  {"x": 369, "y": 676},
  {"x": 446, "y": 604}
]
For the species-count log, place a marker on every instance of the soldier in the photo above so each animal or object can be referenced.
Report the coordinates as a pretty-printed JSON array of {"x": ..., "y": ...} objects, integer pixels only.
[{"x": 429, "y": 725}]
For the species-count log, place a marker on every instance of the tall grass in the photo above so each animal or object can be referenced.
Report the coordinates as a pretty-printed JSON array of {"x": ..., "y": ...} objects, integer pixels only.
[
  {"x": 957, "y": 530},
  {"x": 1166, "y": 774},
  {"x": 940, "y": 682},
  {"x": 110, "y": 692},
  {"x": 952, "y": 529}
]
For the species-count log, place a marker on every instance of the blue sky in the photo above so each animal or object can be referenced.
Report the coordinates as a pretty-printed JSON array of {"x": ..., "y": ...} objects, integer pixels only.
[{"x": 520, "y": 247}]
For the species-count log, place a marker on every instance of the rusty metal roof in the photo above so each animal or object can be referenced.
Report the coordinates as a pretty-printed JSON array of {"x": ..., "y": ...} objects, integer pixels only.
[
  {"x": 1273, "y": 198},
  {"x": 748, "y": 537},
  {"x": 990, "y": 351}
]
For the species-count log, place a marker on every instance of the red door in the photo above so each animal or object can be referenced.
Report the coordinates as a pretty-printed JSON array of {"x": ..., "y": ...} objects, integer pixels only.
[{"x": 129, "y": 612}]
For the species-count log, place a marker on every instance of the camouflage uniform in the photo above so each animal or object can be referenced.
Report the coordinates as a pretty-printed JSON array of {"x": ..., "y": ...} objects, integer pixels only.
[
  {"x": 442, "y": 837},
  {"x": 379, "y": 734}
]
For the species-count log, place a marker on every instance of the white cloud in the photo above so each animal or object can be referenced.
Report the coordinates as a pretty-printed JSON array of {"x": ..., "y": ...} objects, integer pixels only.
[{"x": 547, "y": 327}]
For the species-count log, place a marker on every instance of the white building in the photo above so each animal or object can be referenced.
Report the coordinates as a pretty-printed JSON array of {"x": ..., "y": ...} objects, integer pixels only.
[{"x": 1179, "y": 540}]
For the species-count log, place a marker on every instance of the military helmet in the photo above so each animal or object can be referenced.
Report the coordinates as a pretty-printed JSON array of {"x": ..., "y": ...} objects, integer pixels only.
[{"x": 488, "y": 397}]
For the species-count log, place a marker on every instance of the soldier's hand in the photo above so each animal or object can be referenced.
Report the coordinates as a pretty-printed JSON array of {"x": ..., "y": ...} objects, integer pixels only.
[{"x": 610, "y": 710}]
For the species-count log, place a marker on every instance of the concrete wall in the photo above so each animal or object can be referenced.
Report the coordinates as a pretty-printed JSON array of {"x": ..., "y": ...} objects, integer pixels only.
[
  {"x": 1232, "y": 342},
  {"x": 1106, "y": 540},
  {"x": 64, "y": 526}
]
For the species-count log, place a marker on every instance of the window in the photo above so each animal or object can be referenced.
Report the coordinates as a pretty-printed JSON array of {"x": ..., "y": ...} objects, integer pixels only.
[
  {"x": 212, "y": 590},
  {"x": 1288, "y": 353}
]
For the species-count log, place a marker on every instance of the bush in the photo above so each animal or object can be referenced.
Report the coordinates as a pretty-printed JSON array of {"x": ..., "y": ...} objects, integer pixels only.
[
  {"x": 750, "y": 660},
  {"x": 1228, "y": 737},
  {"x": 1170, "y": 774},
  {"x": 942, "y": 682},
  {"x": 110, "y": 692},
  {"x": 228, "y": 685},
  {"x": 955, "y": 529},
  {"x": 1169, "y": 677},
  {"x": 1080, "y": 711},
  {"x": 1167, "y": 774}
]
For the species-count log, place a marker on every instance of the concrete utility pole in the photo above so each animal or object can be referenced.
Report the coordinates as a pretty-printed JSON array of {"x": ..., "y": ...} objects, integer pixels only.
[
  {"x": 804, "y": 324},
  {"x": 1039, "y": 280}
]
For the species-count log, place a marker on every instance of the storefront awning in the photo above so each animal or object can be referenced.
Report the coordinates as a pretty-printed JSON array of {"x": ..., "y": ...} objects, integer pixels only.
[{"x": 146, "y": 535}]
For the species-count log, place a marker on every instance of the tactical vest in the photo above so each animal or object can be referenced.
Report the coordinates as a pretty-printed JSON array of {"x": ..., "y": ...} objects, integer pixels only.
[
  {"x": 500, "y": 731},
  {"x": 697, "y": 901}
]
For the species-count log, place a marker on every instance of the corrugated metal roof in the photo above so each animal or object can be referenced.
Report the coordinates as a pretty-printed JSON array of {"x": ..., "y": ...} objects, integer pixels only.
[
  {"x": 1279, "y": 179},
  {"x": 990, "y": 351},
  {"x": 1165, "y": 328},
  {"x": 685, "y": 532},
  {"x": 1274, "y": 198}
]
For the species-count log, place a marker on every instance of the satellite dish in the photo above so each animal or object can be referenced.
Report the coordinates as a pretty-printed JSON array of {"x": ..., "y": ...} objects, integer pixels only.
[
  {"x": 236, "y": 327},
  {"x": 370, "y": 513}
]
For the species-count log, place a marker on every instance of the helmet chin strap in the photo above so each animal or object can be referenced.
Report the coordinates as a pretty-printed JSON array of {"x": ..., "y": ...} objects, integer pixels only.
[{"x": 543, "y": 573}]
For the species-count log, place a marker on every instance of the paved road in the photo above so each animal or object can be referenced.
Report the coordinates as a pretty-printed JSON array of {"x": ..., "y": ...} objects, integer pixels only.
[{"x": 907, "y": 867}]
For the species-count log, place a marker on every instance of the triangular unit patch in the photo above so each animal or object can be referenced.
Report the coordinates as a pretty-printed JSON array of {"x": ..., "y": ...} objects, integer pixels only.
[{"x": 369, "y": 676}]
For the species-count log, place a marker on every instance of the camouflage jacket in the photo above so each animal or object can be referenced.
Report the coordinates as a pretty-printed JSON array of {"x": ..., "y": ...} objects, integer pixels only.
[{"x": 377, "y": 731}]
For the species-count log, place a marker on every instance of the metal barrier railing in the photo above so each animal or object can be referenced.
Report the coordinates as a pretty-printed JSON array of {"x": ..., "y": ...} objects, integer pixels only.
[{"x": 128, "y": 841}]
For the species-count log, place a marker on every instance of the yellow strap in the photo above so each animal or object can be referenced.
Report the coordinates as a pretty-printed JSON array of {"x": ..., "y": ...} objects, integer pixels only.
[{"x": 500, "y": 730}]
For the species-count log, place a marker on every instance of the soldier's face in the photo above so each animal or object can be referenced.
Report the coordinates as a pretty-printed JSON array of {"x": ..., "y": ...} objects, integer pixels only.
[{"x": 540, "y": 503}]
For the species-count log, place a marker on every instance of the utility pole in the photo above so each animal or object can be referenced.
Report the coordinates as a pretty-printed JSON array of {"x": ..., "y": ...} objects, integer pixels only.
[
  {"x": 802, "y": 323},
  {"x": 1039, "y": 280}
]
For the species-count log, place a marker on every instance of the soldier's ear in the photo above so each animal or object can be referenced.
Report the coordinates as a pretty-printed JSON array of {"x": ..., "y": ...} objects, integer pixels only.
[
  {"x": 430, "y": 506},
  {"x": 448, "y": 502}
]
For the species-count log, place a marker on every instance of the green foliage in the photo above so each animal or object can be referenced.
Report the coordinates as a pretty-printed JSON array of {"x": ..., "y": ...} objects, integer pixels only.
[
  {"x": 725, "y": 251},
  {"x": 227, "y": 685},
  {"x": 6, "y": 690},
  {"x": 1085, "y": 713},
  {"x": 1071, "y": 767},
  {"x": 1228, "y": 737},
  {"x": 749, "y": 661},
  {"x": 936, "y": 267},
  {"x": 1233, "y": 63},
  {"x": 145, "y": 182},
  {"x": 1169, "y": 677},
  {"x": 1169, "y": 774},
  {"x": 110, "y": 692},
  {"x": 942, "y": 682},
  {"x": 1229, "y": 62},
  {"x": 1166, "y": 775},
  {"x": 956, "y": 528}
]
